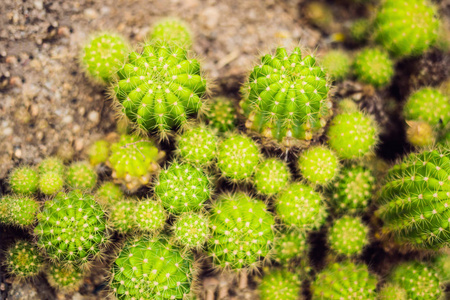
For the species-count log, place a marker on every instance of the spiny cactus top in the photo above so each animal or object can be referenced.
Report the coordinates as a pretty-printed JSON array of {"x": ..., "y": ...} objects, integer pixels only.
[
  {"x": 160, "y": 87},
  {"x": 279, "y": 285},
  {"x": 290, "y": 244},
  {"x": 300, "y": 206},
  {"x": 172, "y": 30},
  {"x": 108, "y": 193},
  {"x": 271, "y": 176},
  {"x": 344, "y": 280},
  {"x": 122, "y": 216},
  {"x": 420, "y": 281},
  {"x": 420, "y": 133},
  {"x": 374, "y": 66},
  {"x": 442, "y": 266},
  {"x": 81, "y": 176},
  {"x": 287, "y": 97},
  {"x": 65, "y": 277},
  {"x": 182, "y": 187},
  {"x": 406, "y": 27},
  {"x": 222, "y": 114},
  {"x": 98, "y": 152},
  {"x": 71, "y": 228},
  {"x": 103, "y": 55},
  {"x": 18, "y": 210},
  {"x": 150, "y": 216},
  {"x": 391, "y": 291},
  {"x": 151, "y": 269},
  {"x": 242, "y": 231},
  {"x": 191, "y": 230},
  {"x": 337, "y": 63},
  {"x": 51, "y": 182},
  {"x": 51, "y": 164},
  {"x": 24, "y": 260},
  {"x": 319, "y": 165},
  {"x": 24, "y": 181},
  {"x": 348, "y": 236},
  {"x": 198, "y": 145},
  {"x": 360, "y": 30},
  {"x": 415, "y": 199}
]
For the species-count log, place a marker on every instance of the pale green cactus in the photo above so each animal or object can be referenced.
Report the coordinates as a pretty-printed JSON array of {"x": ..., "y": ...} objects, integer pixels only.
[{"x": 271, "y": 176}]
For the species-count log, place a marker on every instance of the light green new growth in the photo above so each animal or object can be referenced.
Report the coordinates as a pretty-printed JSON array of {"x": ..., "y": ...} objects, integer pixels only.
[
  {"x": 52, "y": 164},
  {"x": 198, "y": 145},
  {"x": 360, "y": 30},
  {"x": 279, "y": 285},
  {"x": 150, "y": 216},
  {"x": 442, "y": 266},
  {"x": 24, "y": 181},
  {"x": 18, "y": 210},
  {"x": 337, "y": 63},
  {"x": 222, "y": 114},
  {"x": 290, "y": 244},
  {"x": 81, "y": 175},
  {"x": 271, "y": 176},
  {"x": 353, "y": 135},
  {"x": 374, "y": 66},
  {"x": 108, "y": 193},
  {"x": 392, "y": 292},
  {"x": 65, "y": 277},
  {"x": 347, "y": 105},
  {"x": 238, "y": 157},
  {"x": 242, "y": 232},
  {"x": 191, "y": 230},
  {"x": 98, "y": 152},
  {"x": 172, "y": 30},
  {"x": 319, "y": 165},
  {"x": 182, "y": 188},
  {"x": 122, "y": 216},
  {"x": 51, "y": 182},
  {"x": 23, "y": 260},
  {"x": 348, "y": 236},
  {"x": 300, "y": 206}
]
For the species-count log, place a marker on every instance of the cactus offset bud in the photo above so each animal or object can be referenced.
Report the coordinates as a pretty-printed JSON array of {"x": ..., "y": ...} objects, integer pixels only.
[
  {"x": 191, "y": 230},
  {"x": 222, "y": 114},
  {"x": 238, "y": 157},
  {"x": 406, "y": 28},
  {"x": 318, "y": 165},
  {"x": 290, "y": 244},
  {"x": 271, "y": 176},
  {"x": 81, "y": 175},
  {"x": 337, "y": 63},
  {"x": 98, "y": 152},
  {"x": 51, "y": 182},
  {"x": 300, "y": 206},
  {"x": 150, "y": 216},
  {"x": 198, "y": 146},
  {"x": 182, "y": 188},
  {"x": 18, "y": 210},
  {"x": 65, "y": 277},
  {"x": 72, "y": 228},
  {"x": 441, "y": 264},
  {"x": 122, "y": 216},
  {"x": 24, "y": 181},
  {"x": 347, "y": 106},
  {"x": 360, "y": 29},
  {"x": 52, "y": 164},
  {"x": 108, "y": 193},
  {"x": 344, "y": 280},
  {"x": 374, "y": 66},
  {"x": 420, "y": 134},
  {"x": 286, "y": 98},
  {"x": 104, "y": 55},
  {"x": 172, "y": 30},
  {"x": 348, "y": 236},
  {"x": 392, "y": 292},
  {"x": 353, "y": 135},
  {"x": 160, "y": 87},
  {"x": 24, "y": 260},
  {"x": 151, "y": 269},
  {"x": 279, "y": 285},
  {"x": 242, "y": 232}
]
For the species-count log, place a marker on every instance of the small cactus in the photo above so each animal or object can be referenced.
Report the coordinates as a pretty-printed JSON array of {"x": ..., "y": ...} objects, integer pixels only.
[
  {"x": 337, "y": 63},
  {"x": 222, "y": 114},
  {"x": 122, "y": 216},
  {"x": 374, "y": 66},
  {"x": 392, "y": 292},
  {"x": 24, "y": 181},
  {"x": 182, "y": 188},
  {"x": 65, "y": 277},
  {"x": 348, "y": 236},
  {"x": 52, "y": 164},
  {"x": 98, "y": 152},
  {"x": 191, "y": 230},
  {"x": 24, "y": 260},
  {"x": 198, "y": 146},
  {"x": 319, "y": 165},
  {"x": 51, "y": 182},
  {"x": 420, "y": 134},
  {"x": 18, "y": 210},
  {"x": 279, "y": 285},
  {"x": 150, "y": 216},
  {"x": 172, "y": 30},
  {"x": 242, "y": 232},
  {"x": 319, "y": 14},
  {"x": 271, "y": 176},
  {"x": 360, "y": 30},
  {"x": 290, "y": 244},
  {"x": 441, "y": 263},
  {"x": 108, "y": 193},
  {"x": 81, "y": 175}
]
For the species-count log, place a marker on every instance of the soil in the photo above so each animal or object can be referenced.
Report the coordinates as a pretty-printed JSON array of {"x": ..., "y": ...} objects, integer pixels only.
[{"x": 49, "y": 107}]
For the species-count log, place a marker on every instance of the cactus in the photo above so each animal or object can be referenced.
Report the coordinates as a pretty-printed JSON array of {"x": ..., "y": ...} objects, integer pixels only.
[
  {"x": 122, "y": 216},
  {"x": 198, "y": 146},
  {"x": 392, "y": 292},
  {"x": 23, "y": 260},
  {"x": 238, "y": 157},
  {"x": 191, "y": 230},
  {"x": 160, "y": 87},
  {"x": 182, "y": 188},
  {"x": 108, "y": 193},
  {"x": 104, "y": 55},
  {"x": 172, "y": 30},
  {"x": 271, "y": 176},
  {"x": 406, "y": 28},
  {"x": 222, "y": 114},
  {"x": 353, "y": 135},
  {"x": 419, "y": 281},
  {"x": 51, "y": 182},
  {"x": 420, "y": 134},
  {"x": 65, "y": 277},
  {"x": 279, "y": 285},
  {"x": 98, "y": 152},
  {"x": 150, "y": 216},
  {"x": 441, "y": 263},
  {"x": 242, "y": 232},
  {"x": 374, "y": 66},
  {"x": 285, "y": 98},
  {"x": 290, "y": 244},
  {"x": 354, "y": 189},
  {"x": 18, "y": 210},
  {"x": 300, "y": 206},
  {"x": 360, "y": 29},
  {"x": 81, "y": 175},
  {"x": 337, "y": 63},
  {"x": 133, "y": 161},
  {"x": 52, "y": 164},
  {"x": 319, "y": 14},
  {"x": 151, "y": 269},
  {"x": 348, "y": 236},
  {"x": 72, "y": 228},
  {"x": 344, "y": 280},
  {"x": 319, "y": 165},
  {"x": 413, "y": 200},
  {"x": 24, "y": 181}
]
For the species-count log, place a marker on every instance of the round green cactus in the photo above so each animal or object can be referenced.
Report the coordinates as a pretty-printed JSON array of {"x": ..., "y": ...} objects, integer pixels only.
[
  {"x": 406, "y": 28},
  {"x": 337, "y": 63},
  {"x": 108, "y": 193},
  {"x": 24, "y": 260},
  {"x": 286, "y": 97},
  {"x": 151, "y": 269},
  {"x": 441, "y": 263},
  {"x": 24, "y": 181},
  {"x": 72, "y": 228},
  {"x": 290, "y": 244},
  {"x": 150, "y": 216},
  {"x": 238, "y": 157},
  {"x": 348, "y": 236},
  {"x": 354, "y": 189},
  {"x": 271, "y": 176},
  {"x": 52, "y": 164},
  {"x": 51, "y": 182},
  {"x": 198, "y": 145},
  {"x": 18, "y": 210},
  {"x": 374, "y": 66},
  {"x": 279, "y": 285},
  {"x": 242, "y": 232},
  {"x": 191, "y": 230},
  {"x": 300, "y": 206},
  {"x": 353, "y": 135},
  {"x": 104, "y": 55},
  {"x": 172, "y": 30},
  {"x": 414, "y": 199},
  {"x": 182, "y": 188},
  {"x": 420, "y": 134},
  {"x": 65, "y": 277},
  {"x": 319, "y": 165},
  {"x": 222, "y": 114},
  {"x": 122, "y": 216},
  {"x": 319, "y": 14},
  {"x": 133, "y": 161},
  {"x": 81, "y": 175},
  {"x": 160, "y": 87},
  {"x": 98, "y": 152},
  {"x": 392, "y": 292},
  {"x": 419, "y": 281},
  {"x": 360, "y": 30},
  {"x": 344, "y": 280}
]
